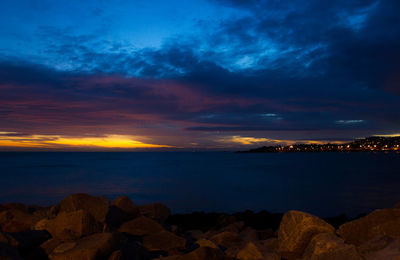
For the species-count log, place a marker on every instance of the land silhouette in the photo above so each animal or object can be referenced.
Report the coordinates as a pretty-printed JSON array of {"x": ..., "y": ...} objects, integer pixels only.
[{"x": 369, "y": 144}]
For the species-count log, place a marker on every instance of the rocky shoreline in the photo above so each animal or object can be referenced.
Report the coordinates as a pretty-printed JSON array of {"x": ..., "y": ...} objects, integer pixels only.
[{"x": 89, "y": 227}]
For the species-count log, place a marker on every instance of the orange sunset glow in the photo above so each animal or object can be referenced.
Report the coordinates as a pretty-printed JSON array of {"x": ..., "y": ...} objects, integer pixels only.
[{"x": 50, "y": 141}]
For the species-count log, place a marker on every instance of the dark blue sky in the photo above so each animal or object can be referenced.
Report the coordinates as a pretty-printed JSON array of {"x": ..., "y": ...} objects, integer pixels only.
[{"x": 197, "y": 74}]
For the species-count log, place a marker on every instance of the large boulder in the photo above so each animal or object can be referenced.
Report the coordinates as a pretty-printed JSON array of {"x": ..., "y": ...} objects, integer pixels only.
[
  {"x": 127, "y": 206},
  {"x": 16, "y": 220},
  {"x": 156, "y": 211},
  {"x": 249, "y": 234},
  {"x": 296, "y": 230},
  {"x": 327, "y": 246},
  {"x": 97, "y": 246},
  {"x": 268, "y": 245},
  {"x": 70, "y": 225},
  {"x": 249, "y": 252},
  {"x": 196, "y": 234},
  {"x": 164, "y": 241},
  {"x": 380, "y": 248},
  {"x": 121, "y": 210},
  {"x": 96, "y": 206},
  {"x": 206, "y": 243},
  {"x": 141, "y": 226},
  {"x": 46, "y": 212},
  {"x": 379, "y": 223},
  {"x": 226, "y": 239},
  {"x": 246, "y": 250},
  {"x": 49, "y": 245}
]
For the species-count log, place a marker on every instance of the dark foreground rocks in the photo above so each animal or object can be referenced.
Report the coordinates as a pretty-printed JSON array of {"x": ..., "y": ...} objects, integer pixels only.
[{"x": 85, "y": 227}]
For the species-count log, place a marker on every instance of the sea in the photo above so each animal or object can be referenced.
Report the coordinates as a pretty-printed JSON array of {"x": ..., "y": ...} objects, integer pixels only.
[{"x": 324, "y": 184}]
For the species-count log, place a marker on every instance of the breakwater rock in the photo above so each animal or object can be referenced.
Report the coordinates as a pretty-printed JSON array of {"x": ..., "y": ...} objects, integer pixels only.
[{"x": 85, "y": 227}]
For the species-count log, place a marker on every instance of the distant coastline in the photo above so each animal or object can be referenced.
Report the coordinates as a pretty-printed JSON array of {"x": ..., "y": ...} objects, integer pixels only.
[{"x": 369, "y": 144}]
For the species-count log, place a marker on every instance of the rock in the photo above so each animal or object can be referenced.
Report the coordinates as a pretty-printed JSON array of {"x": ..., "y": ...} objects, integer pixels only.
[
  {"x": 41, "y": 224},
  {"x": 225, "y": 220},
  {"x": 378, "y": 223},
  {"x": 29, "y": 243},
  {"x": 121, "y": 210},
  {"x": 141, "y": 226},
  {"x": 130, "y": 250},
  {"x": 8, "y": 239},
  {"x": 389, "y": 252},
  {"x": 15, "y": 220},
  {"x": 249, "y": 234},
  {"x": 269, "y": 245},
  {"x": 249, "y": 252},
  {"x": 196, "y": 234},
  {"x": 271, "y": 256},
  {"x": 296, "y": 230},
  {"x": 50, "y": 245},
  {"x": 374, "y": 244},
  {"x": 64, "y": 247},
  {"x": 8, "y": 252},
  {"x": 116, "y": 255},
  {"x": 174, "y": 229},
  {"x": 70, "y": 225},
  {"x": 266, "y": 234},
  {"x": 206, "y": 243},
  {"x": 127, "y": 206},
  {"x": 210, "y": 233},
  {"x": 115, "y": 217},
  {"x": 327, "y": 246},
  {"x": 204, "y": 253},
  {"x": 97, "y": 246},
  {"x": 96, "y": 206},
  {"x": 226, "y": 239},
  {"x": 235, "y": 227},
  {"x": 47, "y": 212},
  {"x": 17, "y": 206},
  {"x": 164, "y": 241},
  {"x": 156, "y": 211}
]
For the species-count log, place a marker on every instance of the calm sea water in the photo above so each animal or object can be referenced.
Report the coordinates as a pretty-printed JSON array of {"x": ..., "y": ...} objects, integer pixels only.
[{"x": 324, "y": 184}]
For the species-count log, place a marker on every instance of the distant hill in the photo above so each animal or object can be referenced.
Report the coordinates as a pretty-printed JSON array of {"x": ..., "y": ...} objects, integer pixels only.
[{"x": 373, "y": 143}]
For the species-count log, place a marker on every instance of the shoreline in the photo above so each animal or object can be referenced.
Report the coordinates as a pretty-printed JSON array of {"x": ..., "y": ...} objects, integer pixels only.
[{"x": 82, "y": 226}]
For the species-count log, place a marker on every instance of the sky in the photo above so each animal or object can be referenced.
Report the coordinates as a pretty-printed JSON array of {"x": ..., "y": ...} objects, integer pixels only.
[{"x": 198, "y": 75}]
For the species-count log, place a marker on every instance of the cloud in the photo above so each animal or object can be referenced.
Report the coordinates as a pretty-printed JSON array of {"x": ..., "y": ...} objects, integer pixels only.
[
  {"x": 257, "y": 141},
  {"x": 247, "y": 140},
  {"x": 312, "y": 69},
  {"x": 349, "y": 121},
  {"x": 60, "y": 142}
]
